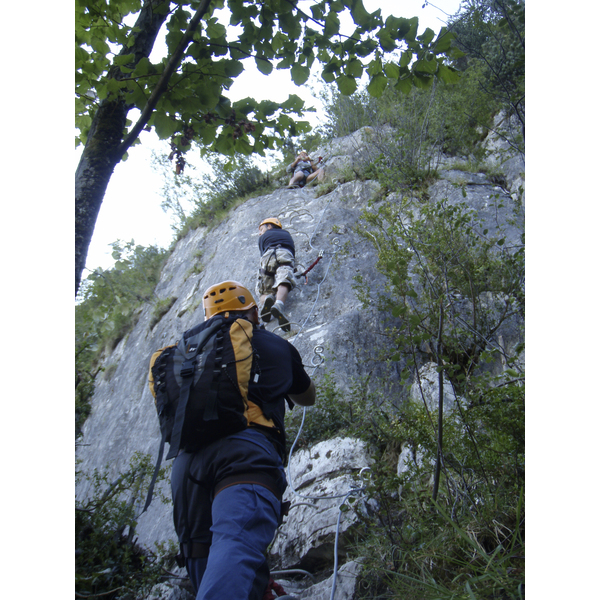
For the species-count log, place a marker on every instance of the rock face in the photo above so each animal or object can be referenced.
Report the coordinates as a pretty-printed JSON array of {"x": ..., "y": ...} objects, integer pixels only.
[
  {"x": 327, "y": 321},
  {"x": 320, "y": 480}
]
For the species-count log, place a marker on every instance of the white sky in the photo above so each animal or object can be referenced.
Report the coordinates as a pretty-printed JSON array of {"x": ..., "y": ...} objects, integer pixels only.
[{"x": 131, "y": 206}]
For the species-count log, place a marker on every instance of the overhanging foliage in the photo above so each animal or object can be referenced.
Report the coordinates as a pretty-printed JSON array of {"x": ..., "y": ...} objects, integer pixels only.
[{"x": 183, "y": 96}]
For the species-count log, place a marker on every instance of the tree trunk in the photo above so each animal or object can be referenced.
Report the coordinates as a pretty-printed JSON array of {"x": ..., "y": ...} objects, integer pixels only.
[
  {"x": 102, "y": 150},
  {"x": 93, "y": 173}
]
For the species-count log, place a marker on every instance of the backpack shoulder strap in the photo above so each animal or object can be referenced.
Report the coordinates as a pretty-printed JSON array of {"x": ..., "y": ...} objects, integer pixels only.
[
  {"x": 161, "y": 451},
  {"x": 155, "y": 356}
]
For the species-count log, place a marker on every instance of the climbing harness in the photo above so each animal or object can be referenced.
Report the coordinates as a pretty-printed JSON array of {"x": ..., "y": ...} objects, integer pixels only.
[{"x": 268, "y": 260}]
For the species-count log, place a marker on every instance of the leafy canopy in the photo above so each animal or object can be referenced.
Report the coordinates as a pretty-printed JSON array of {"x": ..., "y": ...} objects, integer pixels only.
[{"x": 274, "y": 34}]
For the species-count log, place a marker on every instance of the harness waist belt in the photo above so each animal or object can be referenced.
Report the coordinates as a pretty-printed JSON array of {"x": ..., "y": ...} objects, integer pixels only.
[
  {"x": 191, "y": 550},
  {"x": 257, "y": 478}
]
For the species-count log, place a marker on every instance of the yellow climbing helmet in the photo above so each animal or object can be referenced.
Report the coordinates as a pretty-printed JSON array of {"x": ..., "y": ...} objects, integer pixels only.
[
  {"x": 224, "y": 296},
  {"x": 273, "y": 220}
]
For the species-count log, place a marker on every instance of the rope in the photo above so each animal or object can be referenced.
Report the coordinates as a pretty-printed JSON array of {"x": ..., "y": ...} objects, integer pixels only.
[{"x": 318, "y": 355}]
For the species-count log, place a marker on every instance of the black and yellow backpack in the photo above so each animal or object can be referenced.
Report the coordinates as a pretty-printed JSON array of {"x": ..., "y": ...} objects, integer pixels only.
[{"x": 200, "y": 386}]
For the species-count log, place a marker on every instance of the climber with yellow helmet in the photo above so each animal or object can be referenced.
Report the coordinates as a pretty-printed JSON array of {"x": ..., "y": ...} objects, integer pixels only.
[
  {"x": 276, "y": 273},
  {"x": 227, "y": 496}
]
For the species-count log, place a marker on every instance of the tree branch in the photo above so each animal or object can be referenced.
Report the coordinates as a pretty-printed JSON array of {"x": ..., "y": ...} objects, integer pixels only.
[{"x": 161, "y": 86}]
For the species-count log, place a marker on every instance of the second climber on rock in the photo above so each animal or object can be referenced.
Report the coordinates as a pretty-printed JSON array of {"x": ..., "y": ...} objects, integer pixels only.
[{"x": 276, "y": 274}]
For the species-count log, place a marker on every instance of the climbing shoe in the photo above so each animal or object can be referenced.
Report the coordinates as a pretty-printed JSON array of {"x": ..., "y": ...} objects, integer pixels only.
[
  {"x": 265, "y": 311},
  {"x": 277, "y": 312}
]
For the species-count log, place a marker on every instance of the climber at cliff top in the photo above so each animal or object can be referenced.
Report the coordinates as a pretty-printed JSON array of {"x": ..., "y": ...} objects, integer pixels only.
[
  {"x": 305, "y": 170},
  {"x": 276, "y": 274}
]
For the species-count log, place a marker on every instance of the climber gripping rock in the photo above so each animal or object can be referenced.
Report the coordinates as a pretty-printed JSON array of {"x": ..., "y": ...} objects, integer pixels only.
[{"x": 276, "y": 274}]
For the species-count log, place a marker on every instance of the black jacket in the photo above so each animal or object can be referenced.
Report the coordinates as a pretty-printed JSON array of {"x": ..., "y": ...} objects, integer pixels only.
[{"x": 273, "y": 238}]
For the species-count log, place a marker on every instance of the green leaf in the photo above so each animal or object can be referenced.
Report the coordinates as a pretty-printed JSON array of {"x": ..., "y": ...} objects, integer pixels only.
[
  {"x": 366, "y": 48},
  {"x": 406, "y": 28},
  {"x": 286, "y": 63},
  {"x": 205, "y": 96},
  {"x": 328, "y": 77},
  {"x": 375, "y": 67},
  {"x": 293, "y": 103},
  {"x": 102, "y": 91},
  {"x": 164, "y": 125},
  {"x": 346, "y": 85},
  {"x": 232, "y": 68},
  {"x": 426, "y": 37},
  {"x": 215, "y": 30},
  {"x": 300, "y": 74},
  {"x": 289, "y": 24},
  {"x": 263, "y": 65},
  {"x": 354, "y": 68},
  {"x": 243, "y": 147},
  {"x": 386, "y": 40},
  {"x": 377, "y": 85},
  {"x": 448, "y": 74},
  {"x": 124, "y": 59},
  {"x": 142, "y": 68},
  {"x": 208, "y": 135},
  {"x": 392, "y": 70},
  {"x": 405, "y": 58},
  {"x": 443, "y": 43},
  {"x": 81, "y": 56},
  {"x": 398, "y": 310},
  {"x": 425, "y": 66},
  {"x": 332, "y": 25},
  {"x": 224, "y": 143},
  {"x": 404, "y": 85},
  {"x": 236, "y": 53},
  {"x": 114, "y": 85},
  {"x": 360, "y": 16}
]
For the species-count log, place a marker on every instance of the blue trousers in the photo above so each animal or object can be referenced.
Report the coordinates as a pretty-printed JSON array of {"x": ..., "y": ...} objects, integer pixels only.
[
  {"x": 238, "y": 524},
  {"x": 245, "y": 518}
]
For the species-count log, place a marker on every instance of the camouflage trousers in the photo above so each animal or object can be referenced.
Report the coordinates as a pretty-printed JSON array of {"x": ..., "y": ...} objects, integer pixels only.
[{"x": 276, "y": 267}]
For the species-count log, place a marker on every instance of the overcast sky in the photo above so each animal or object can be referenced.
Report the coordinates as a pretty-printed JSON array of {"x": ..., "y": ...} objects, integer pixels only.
[{"x": 131, "y": 207}]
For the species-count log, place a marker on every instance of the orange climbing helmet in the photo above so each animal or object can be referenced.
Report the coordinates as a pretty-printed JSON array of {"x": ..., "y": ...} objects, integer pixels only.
[
  {"x": 273, "y": 220},
  {"x": 225, "y": 296}
]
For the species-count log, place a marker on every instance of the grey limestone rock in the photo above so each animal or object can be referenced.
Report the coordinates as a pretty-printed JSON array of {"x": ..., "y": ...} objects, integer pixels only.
[
  {"x": 329, "y": 325},
  {"x": 320, "y": 479}
]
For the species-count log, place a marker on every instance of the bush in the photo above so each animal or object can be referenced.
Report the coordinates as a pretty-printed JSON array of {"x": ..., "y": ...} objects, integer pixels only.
[
  {"x": 108, "y": 307},
  {"x": 459, "y": 530},
  {"x": 108, "y": 561},
  {"x": 204, "y": 201},
  {"x": 492, "y": 37}
]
